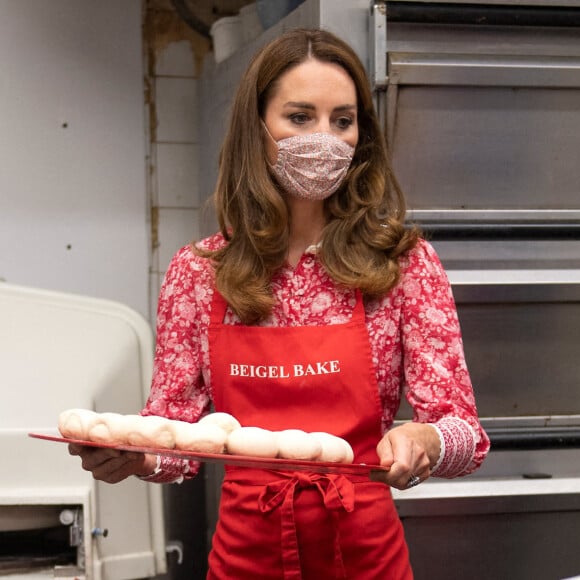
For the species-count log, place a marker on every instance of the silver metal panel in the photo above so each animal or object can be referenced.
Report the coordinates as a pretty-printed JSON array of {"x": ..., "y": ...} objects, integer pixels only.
[
  {"x": 523, "y": 358},
  {"x": 484, "y": 124},
  {"x": 529, "y": 526},
  {"x": 501, "y": 255},
  {"x": 483, "y": 70},
  {"x": 545, "y": 3},
  {"x": 488, "y": 147},
  {"x": 521, "y": 331},
  {"x": 378, "y": 46},
  {"x": 349, "y": 19},
  {"x": 515, "y": 494},
  {"x": 544, "y": 468},
  {"x": 483, "y": 118},
  {"x": 496, "y": 215},
  {"x": 405, "y": 37},
  {"x": 523, "y": 546}
]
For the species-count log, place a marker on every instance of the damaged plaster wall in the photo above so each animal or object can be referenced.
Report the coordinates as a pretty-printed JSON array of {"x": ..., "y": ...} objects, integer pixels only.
[{"x": 175, "y": 54}]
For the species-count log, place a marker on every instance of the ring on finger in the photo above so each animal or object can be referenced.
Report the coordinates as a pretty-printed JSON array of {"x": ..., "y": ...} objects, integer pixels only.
[{"x": 413, "y": 481}]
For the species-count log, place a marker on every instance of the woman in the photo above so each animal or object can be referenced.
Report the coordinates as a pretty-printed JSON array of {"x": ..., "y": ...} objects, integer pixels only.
[{"x": 314, "y": 276}]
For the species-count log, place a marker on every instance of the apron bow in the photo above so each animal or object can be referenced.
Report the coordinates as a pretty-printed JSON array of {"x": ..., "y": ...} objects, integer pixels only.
[{"x": 337, "y": 493}]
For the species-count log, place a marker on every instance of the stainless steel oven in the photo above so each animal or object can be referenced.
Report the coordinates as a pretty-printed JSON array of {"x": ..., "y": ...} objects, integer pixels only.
[
  {"x": 519, "y": 515},
  {"x": 481, "y": 108}
]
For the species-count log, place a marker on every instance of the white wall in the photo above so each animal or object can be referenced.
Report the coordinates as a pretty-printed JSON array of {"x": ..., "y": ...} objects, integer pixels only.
[{"x": 73, "y": 195}]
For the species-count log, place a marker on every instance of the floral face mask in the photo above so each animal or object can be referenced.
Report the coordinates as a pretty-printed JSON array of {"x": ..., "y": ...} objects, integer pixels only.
[{"x": 312, "y": 166}]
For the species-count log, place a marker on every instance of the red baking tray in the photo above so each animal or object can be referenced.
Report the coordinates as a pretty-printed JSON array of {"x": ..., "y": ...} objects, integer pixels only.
[{"x": 236, "y": 460}]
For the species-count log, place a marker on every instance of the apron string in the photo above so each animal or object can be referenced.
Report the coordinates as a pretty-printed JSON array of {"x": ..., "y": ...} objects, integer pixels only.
[
  {"x": 358, "y": 312},
  {"x": 218, "y": 308},
  {"x": 337, "y": 492}
]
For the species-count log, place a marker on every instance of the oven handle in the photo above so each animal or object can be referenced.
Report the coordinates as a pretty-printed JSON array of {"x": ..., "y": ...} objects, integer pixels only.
[
  {"x": 503, "y": 231},
  {"x": 483, "y": 15},
  {"x": 529, "y": 438}
]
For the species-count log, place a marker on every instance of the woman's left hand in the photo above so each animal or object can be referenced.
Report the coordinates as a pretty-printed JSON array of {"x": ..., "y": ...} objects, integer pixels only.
[{"x": 409, "y": 450}]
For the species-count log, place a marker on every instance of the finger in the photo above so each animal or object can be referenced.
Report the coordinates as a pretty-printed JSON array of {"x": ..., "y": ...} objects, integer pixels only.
[
  {"x": 385, "y": 452},
  {"x": 397, "y": 481},
  {"x": 418, "y": 464},
  {"x": 409, "y": 459},
  {"x": 88, "y": 451},
  {"x": 390, "y": 454},
  {"x": 116, "y": 469},
  {"x": 400, "y": 478},
  {"x": 93, "y": 458},
  {"x": 405, "y": 475},
  {"x": 75, "y": 449},
  {"x": 403, "y": 459},
  {"x": 379, "y": 475}
]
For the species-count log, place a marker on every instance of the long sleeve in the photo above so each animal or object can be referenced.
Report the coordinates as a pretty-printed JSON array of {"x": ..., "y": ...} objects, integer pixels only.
[
  {"x": 178, "y": 390},
  {"x": 437, "y": 382},
  {"x": 413, "y": 330}
]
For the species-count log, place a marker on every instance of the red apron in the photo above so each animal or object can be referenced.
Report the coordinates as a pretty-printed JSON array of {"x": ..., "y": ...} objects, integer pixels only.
[{"x": 291, "y": 526}]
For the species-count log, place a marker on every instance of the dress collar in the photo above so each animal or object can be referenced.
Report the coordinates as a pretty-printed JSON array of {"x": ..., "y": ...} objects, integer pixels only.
[{"x": 313, "y": 249}]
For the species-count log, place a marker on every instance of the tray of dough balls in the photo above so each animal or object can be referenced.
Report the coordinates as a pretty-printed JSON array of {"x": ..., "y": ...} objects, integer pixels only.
[{"x": 217, "y": 437}]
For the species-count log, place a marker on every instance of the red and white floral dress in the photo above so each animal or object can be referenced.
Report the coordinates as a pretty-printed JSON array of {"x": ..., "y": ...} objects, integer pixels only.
[{"x": 415, "y": 351}]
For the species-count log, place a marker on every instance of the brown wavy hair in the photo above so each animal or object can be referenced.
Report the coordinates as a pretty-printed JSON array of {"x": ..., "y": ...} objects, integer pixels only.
[{"x": 364, "y": 235}]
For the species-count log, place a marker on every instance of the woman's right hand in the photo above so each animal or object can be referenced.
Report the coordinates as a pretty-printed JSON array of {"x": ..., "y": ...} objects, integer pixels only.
[{"x": 112, "y": 465}]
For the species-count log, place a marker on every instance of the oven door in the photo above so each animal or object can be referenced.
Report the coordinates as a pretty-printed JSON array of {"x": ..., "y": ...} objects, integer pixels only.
[
  {"x": 482, "y": 528},
  {"x": 521, "y": 333},
  {"x": 481, "y": 111},
  {"x": 517, "y": 517}
]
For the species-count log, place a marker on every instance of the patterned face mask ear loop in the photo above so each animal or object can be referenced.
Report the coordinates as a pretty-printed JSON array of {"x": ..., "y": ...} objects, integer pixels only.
[{"x": 269, "y": 136}]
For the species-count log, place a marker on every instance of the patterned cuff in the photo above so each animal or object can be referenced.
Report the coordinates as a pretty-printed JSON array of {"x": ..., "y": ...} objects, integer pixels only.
[
  {"x": 168, "y": 470},
  {"x": 441, "y": 447},
  {"x": 156, "y": 471},
  {"x": 457, "y": 447}
]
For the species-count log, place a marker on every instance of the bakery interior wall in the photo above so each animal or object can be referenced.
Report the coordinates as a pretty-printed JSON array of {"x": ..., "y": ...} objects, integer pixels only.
[
  {"x": 99, "y": 179},
  {"x": 99, "y": 174},
  {"x": 73, "y": 205}
]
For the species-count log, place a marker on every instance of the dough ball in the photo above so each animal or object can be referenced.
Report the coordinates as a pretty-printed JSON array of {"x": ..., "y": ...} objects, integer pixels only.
[
  {"x": 334, "y": 449},
  {"x": 76, "y": 423},
  {"x": 224, "y": 420},
  {"x": 297, "y": 444},
  {"x": 252, "y": 441},
  {"x": 349, "y": 452},
  {"x": 203, "y": 438},
  {"x": 111, "y": 428},
  {"x": 150, "y": 431}
]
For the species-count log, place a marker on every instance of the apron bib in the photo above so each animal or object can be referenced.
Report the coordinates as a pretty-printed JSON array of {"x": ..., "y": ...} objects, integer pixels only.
[{"x": 293, "y": 526}]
